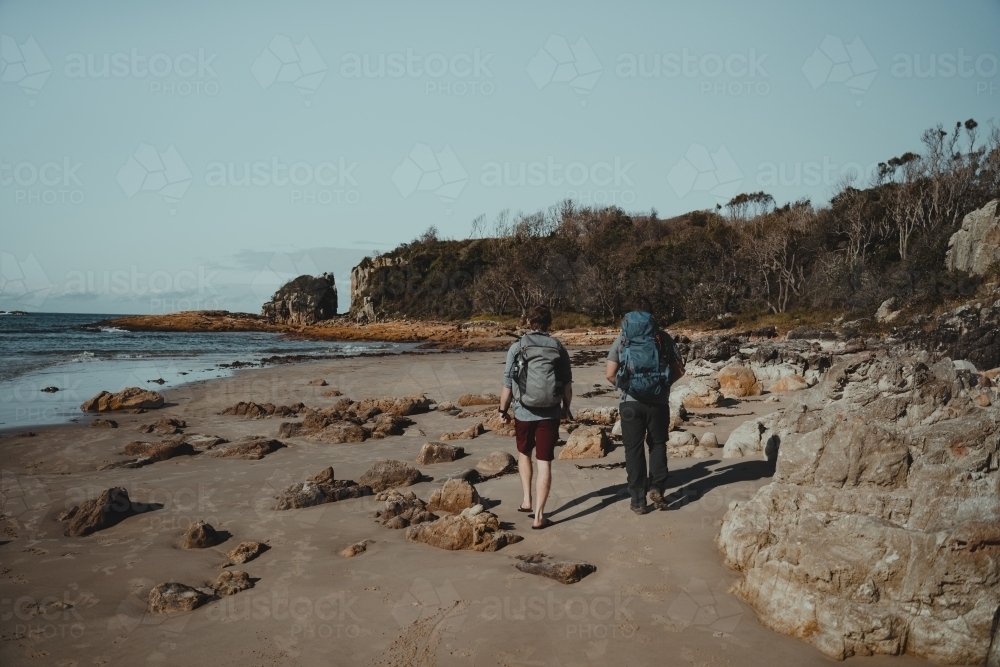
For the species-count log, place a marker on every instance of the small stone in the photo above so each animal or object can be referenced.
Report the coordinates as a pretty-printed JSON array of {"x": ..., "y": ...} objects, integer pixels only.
[
  {"x": 252, "y": 448},
  {"x": 104, "y": 423},
  {"x": 317, "y": 383},
  {"x": 708, "y": 439},
  {"x": 50, "y": 390},
  {"x": 356, "y": 548}
]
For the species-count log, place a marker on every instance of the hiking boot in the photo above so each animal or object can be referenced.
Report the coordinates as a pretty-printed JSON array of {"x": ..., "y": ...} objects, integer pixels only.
[
  {"x": 656, "y": 497},
  {"x": 640, "y": 509}
]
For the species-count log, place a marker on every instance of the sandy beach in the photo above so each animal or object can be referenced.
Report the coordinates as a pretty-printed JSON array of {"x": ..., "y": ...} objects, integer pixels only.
[{"x": 659, "y": 595}]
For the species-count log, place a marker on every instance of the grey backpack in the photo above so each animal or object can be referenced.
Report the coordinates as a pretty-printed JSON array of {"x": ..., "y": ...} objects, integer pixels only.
[{"x": 534, "y": 372}]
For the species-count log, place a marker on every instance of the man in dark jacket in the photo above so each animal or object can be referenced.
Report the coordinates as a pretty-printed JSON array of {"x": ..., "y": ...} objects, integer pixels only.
[{"x": 646, "y": 420}]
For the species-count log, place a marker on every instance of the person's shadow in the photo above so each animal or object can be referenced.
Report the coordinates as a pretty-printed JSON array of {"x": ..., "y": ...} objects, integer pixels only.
[
  {"x": 694, "y": 482},
  {"x": 691, "y": 484}
]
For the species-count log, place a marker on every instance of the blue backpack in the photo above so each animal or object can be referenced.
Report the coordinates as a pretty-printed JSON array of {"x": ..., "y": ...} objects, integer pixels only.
[{"x": 641, "y": 373}]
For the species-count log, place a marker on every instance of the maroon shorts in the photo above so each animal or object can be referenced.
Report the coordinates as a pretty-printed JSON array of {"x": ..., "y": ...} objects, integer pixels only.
[{"x": 542, "y": 435}]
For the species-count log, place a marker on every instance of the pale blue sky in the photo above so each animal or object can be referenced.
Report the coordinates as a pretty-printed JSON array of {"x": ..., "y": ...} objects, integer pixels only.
[{"x": 541, "y": 101}]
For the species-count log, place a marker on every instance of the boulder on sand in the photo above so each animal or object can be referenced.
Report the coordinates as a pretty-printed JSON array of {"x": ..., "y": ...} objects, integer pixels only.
[
  {"x": 790, "y": 383},
  {"x": 171, "y": 598},
  {"x": 158, "y": 451},
  {"x": 251, "y": 448},
  {"x": 700, "y": 392},
  {"x": 586, "y": 442},
  {"x": 201, "y": 535},
  {"x": 387, "y": 424},
  {"x": 387, "y": 474},
  {"x": 104, "y": 423},
  {"x": 339, "y": 433},
  {"x": 130, "y": 398},
  {"x": 455, "y": 496},
  {"x": 468, "y": 434},
  {"x": 753, "y": 436},
  {"x": 880, "y": 532},
  {"x": 738, "y": 382},
  {"x": 465, "y": 400},
  {"x": 262, "y": 410},
  {"x": 245, "y": 551},
  {"x": 163, "y": 426},
  {"x": 99, "y": 513},
  {"x": 496, "y": 463},
  {"x": 356, "y": 548},
  {"x": 232, "y": 582},
  {"x": 564, "y": 571},
  {"x": 474, "y": 529},
  {"x": 319, "y": 489},
  {"x": 605, "y": 416},
  {"x": 498, "y": 426},
  {"x": 401, "y": 509},
  {"x": 438, "y": 452}
]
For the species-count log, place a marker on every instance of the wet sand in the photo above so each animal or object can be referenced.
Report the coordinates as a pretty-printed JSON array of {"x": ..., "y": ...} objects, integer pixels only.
[{"x": 659, "y": 595}]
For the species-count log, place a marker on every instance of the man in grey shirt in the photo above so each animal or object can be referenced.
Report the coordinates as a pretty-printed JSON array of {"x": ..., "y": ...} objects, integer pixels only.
[
  {"x": 648, "y": 421},
  {"x": 537, "y": 428}
]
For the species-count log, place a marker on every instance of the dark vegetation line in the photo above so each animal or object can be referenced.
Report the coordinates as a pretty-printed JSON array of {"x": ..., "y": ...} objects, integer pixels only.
[{"x": 747, "y": 259}]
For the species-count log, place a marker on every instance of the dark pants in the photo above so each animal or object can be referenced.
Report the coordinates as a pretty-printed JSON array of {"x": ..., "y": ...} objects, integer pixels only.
[{"x": 649, "y": 423}]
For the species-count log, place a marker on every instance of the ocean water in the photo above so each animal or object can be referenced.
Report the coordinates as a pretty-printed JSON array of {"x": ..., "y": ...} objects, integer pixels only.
[{"x": 71, "y": 352}]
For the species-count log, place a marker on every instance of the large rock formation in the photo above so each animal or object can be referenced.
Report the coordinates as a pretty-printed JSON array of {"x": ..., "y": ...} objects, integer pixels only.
[
  {"x": 474, "y": 529},
  {"x": 130, "y": 398},
  {"x": 970, "y": 332},
  {"x": 881, "y": 530},
  {"x": 361, "y": 279},
  {"x": 305, "y": 300},
  {"x": 976, "y": 245}
]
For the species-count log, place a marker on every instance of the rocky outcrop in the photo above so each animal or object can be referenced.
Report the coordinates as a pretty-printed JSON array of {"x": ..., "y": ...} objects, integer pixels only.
[
  {"x": 361, "y": 279},
  {"x": 302, "y": 301},
  {"x": 754, "y": 436},
  {"x": 970, "y": 332},
  {"x": 261, "y": 410},
  {"x": 438, "y": 452},
  {"x": 172, "y": 598},
  {"x": 388, "y": 474},
  {"x": 456, "y": 495},
  {"x": 474, "y": 529},
  {"x": 130, "y": 398},
  {"x": 880, "y": 532},
  {"x": 99, "y": 513},
  {"x": 976, "y": 245},
  {"x": 586, "y": 442},
  {"x": 563, "y": 571}
]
